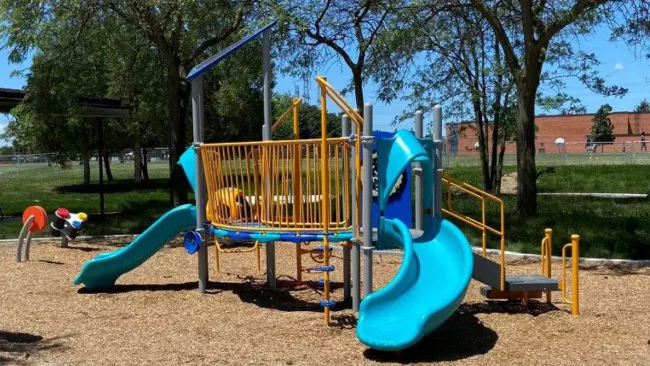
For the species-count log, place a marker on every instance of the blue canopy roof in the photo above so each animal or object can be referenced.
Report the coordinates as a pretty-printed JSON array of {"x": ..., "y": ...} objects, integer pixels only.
[{"x": 208, "y": 64}]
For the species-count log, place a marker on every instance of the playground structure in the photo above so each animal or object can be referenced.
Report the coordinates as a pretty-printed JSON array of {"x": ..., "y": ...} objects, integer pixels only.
[
  {"x": 302, "y": 191},
  {"x": 66, "y": 226}
]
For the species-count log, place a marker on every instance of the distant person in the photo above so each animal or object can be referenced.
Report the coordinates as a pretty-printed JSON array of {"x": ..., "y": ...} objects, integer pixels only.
[{"x": 643, "y": 142}]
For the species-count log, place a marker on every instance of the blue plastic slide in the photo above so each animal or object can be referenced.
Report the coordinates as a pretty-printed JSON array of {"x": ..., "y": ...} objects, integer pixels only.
[
  {"x": 430, "y": 285},
  {"x": 436, "y": 269},
  {"x": 103, "y": 270}
]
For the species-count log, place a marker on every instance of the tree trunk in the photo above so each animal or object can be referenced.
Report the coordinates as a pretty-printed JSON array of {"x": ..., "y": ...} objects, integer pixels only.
[
  {"x": 137, "y": 162},
  {"x": 176, "y": 115},
  {"x": 107, "y": 166},
  {"x": 499, "y": 169},
  {"x": 357, "y": 78},
  {"x": 526, "y": 170},
  {"x": 145, "y": 166},
  {"x": 86, "y": 162},
  {"x": 482, "y": 146}
]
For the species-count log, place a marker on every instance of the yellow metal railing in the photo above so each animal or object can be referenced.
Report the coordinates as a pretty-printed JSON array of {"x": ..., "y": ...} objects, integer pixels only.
[
  {"x": 482, "y": 225},
  {"x": 575, "y": 283},
  {"x": 547, "y": 247},
  {"x": 326, "y": 90},
  {"x": 257, "y": 186}
]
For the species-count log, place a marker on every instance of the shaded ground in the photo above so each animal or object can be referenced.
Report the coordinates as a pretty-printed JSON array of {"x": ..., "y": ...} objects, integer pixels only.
[{"x": 156, "y": 316}]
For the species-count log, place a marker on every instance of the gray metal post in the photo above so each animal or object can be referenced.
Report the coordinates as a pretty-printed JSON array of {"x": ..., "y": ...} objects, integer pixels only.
[
  {"x": 366, "y": 201},
  {"x": 437, "y": 139},
  {"x": 266, "y": 135},
  {"x": 28, "y": 244},
  {"x": 356, "y": 248},
  {"x": 418, "y": 175},
  {"x": 345, "y": 131},
  {"x": 21, "y": 238},
  {"x": 64, "y": 241},
  {"x": 199, "y": 195}
]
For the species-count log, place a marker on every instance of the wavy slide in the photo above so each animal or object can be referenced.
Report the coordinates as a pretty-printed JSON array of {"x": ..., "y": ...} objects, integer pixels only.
[
  {"x": 429, "y": 286},
  {"x": 103, "y": 270},
  {"x": 436, "y": 268}
]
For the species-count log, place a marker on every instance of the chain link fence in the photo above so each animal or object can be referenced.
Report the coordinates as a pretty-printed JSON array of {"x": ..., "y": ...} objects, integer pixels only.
[
  {"x": 568, "y": 153},
  {"x": 46, "y": 167}
]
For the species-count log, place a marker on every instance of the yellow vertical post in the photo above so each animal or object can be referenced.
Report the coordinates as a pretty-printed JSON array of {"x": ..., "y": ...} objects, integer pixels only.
[
  {"x": 484, "y": 235},
  {"x": 575, "y": 285},
  {"x": 325, "y": 180},
  {"x": 297, "y": 183},
  {"x": 297, "y": 166},
  {"x": 547, "y": 259}
]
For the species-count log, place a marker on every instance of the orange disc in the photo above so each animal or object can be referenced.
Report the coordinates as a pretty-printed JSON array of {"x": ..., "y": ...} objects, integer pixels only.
[{"x": 40, "y": 218}]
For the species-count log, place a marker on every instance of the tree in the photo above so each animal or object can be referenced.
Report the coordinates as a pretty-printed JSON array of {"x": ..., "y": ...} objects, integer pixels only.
[
  {"x": 602, "y": 127},
  {"x": 464, "y": 70},
  {"x": 181, "y": 32},
  {"x": 528, "y": 33},
  {"x": 318, "y": 32},
  {"x": 644, "y": 106}
]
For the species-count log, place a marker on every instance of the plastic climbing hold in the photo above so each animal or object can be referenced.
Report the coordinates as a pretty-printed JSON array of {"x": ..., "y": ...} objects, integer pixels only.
[
  {"x": 327, "y": 304},
  {"x": 321, "y": 269},
  {"x": 40, "y": 218},
  {"x": 192, "y": 241},
  {"x": 321, "y": 282}
]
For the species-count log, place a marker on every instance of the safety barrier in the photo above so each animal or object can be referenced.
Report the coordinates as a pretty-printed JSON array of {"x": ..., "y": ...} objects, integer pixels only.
[
  {"x": 547, "y": 248},
  {"x": 277, "y": 185},
  {"x": 482, "y": 225},
  {"x": 575, "y": 283}
]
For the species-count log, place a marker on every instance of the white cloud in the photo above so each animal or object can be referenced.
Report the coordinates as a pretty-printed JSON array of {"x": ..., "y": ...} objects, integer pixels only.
[{"x": 619, "y": 66}]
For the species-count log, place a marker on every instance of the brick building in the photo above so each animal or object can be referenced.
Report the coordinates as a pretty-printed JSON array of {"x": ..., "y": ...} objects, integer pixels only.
[{"x": 574, "y": 129}]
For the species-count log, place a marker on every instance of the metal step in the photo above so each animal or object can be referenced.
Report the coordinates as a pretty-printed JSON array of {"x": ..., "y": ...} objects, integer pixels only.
[{"x": 517, "y": 285}]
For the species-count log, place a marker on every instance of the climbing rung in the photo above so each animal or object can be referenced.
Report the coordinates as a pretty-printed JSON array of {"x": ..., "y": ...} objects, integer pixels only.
[
  {"x": 321, "y": 281},
  {"x": 327, "y": 304},
  {"x": 321, "y": 269}
]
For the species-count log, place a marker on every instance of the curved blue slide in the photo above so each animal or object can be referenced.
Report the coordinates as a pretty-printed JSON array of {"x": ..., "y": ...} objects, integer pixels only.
[
  {"x": 429, "y": 286},
  {"x": 437, "y": 266},
  {"x": 103, "y": 270}
]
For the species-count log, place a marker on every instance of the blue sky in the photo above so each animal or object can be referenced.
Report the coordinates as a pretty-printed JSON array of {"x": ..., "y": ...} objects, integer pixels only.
[{"x": 618, "y": 63}]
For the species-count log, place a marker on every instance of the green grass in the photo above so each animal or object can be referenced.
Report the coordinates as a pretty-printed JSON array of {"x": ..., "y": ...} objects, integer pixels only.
[
  {"x": 37, "y": 184},
  {"x": 608, "y": 228}
]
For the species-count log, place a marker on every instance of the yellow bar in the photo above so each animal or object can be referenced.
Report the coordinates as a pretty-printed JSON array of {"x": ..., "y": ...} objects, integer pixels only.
[
  {"x": 297, "y": 166},
  {"x": 547, "y": 257},
  {"x": 332, "y": 140},
  {"x": 296, "y": 103},
  {"x": 575, "y": 281},
  {"x": 325, "y": 201}
]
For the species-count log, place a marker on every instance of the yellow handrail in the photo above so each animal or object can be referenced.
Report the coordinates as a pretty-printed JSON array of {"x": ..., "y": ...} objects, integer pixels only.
[
  {"x": 294, "y": 108},
  {"x": 575, "y": 285},
  {"x": 340, "y": 102},
  {"x": 547, "y": 246},
  {"x": 480, "y": 225}
]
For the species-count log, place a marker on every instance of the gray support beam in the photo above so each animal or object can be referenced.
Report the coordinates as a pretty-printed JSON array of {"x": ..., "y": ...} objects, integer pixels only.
[
  {"x": 437, "y": 179},
  {"x": 366, "y": 201},
  {"x": 419, "y": 126},
  {"x": 356, "y": 248},
  {"x": 21, "y": 238},
  {"x": 266, "y": 135},
  {"x": 199, "y": 195},
  {"x": 345, "y": 131}
]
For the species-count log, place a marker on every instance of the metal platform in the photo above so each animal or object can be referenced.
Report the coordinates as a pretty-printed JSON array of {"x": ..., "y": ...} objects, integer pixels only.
[{"x": 522, "y": 286}]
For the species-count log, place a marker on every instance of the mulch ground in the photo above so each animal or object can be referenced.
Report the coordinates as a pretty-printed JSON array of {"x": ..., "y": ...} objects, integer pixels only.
[{"x": 155, "y": 315}]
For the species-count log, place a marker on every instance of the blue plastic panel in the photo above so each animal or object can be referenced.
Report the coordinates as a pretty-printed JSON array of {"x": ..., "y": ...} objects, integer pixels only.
[
  {"x": 206, "y": 65},
  {"x": 288, "y": 237},
  {"x": 399, "y": 202}
]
